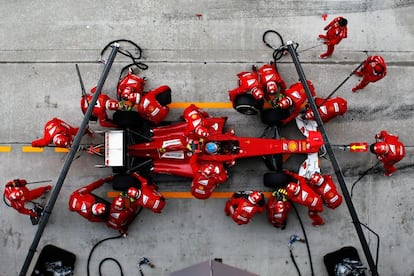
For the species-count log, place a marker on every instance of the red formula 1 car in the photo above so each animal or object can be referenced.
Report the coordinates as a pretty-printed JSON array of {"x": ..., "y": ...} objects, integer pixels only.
[{"x": 170, "y": 150}]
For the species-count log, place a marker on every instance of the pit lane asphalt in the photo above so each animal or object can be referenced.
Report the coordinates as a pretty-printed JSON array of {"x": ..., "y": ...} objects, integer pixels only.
[{"x": 199, "y": 57}]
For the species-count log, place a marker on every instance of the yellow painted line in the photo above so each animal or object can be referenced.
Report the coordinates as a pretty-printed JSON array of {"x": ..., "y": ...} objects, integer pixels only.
[
  {"x": 113, "y": 194},
  {"x": 5, "y": 148},
  {"x": 201, "y": 104},
  {"x": 31, "y": 149},
  {"x": 61, "y": 150}
]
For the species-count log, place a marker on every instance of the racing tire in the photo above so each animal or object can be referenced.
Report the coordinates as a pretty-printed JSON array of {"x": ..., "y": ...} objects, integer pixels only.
[
  {"x": 273, "y": 116},
  {"x": 274, "y": 162},
  {"x": 164, "y": 98},
  {"x": 276, "y": 180},
  {"x": 247, "y": 105},
  {"x": 122, "y": 182},
  {"x": 127, "y": 119}
]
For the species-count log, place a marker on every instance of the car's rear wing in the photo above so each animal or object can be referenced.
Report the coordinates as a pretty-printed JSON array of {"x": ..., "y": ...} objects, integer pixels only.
[{"x": 114, "y": 148}]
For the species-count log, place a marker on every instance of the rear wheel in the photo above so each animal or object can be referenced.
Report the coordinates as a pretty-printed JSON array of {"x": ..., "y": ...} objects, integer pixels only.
[
  {"x": 274, "y": 162},
  {"x": 274, "y": 116},
  {"x": 276, "y": 180},
  {"x": 164, "y": 98},
  {"x": 123, "y": 182},
  {"x": 127, "y": 119},
  {"x": 247, "y": 105}
]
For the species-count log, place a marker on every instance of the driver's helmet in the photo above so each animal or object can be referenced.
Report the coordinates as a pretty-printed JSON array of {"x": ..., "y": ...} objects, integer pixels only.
[
  {"x": 134, "y": 193},
  {"x": 317, "y": 179},
  {"x": 285, "y": 103},
  {"x": 293, "y": 188},
  {"x": 16, "y": 194},
  {"x": 61, "y": 140},
  {"x": 255, "y": 197},
  {"x": 271, "y": 87},
  {"x": 379, "y": 148},
  {"x": 98, "y": 209},
  {"x": 212, "y": 148},
  {"x": 112, "y": 105},
  {"x": 119, "y": 203}
]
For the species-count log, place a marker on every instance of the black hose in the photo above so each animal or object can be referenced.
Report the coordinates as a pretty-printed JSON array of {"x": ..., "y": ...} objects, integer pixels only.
[
  {"x": 362, "y": 176},
  {"x": 294, "y": 262},
  {"x": 93, "y": 249},
  {"x": 110, "y": 259},
  {"x": 305, "y": 238}
]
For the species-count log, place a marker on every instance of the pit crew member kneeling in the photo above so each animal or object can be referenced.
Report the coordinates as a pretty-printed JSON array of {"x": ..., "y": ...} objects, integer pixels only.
[{"x": 243, "y": 205}]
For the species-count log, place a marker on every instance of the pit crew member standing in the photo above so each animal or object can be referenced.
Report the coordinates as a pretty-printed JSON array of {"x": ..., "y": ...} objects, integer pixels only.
[
  {"x": 304, "y": 195},
  {"x": 58, "y": 132},
  {"x": 294, "y": 97},
  {"x": 324, "y": 186},
  {"x": 103, "y": 103},
  {"x": 336, "y": 31},
  {"x": 16, "y": 194},
  {"x": 278, "y": 208},
  {"x": 389, "y": 150},
  {"x": 373, "y": 69},
  {"x": 244, "y": 205},
  {"x": 89, "y": 205}
]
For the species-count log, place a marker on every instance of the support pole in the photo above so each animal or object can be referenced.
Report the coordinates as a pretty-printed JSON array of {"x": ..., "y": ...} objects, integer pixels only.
[
  {"x": 336, "y": 167},
  {"x": 68, "y": 162}
]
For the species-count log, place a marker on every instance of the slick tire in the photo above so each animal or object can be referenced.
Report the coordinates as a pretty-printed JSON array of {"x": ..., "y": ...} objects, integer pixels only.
[
  {"x": 247, "y": 105},
  {"x": 276, "y": 180},
  {"x": 122, "y": 182}
]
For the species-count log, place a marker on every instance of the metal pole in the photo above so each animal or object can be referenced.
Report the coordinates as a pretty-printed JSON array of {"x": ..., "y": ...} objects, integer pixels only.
[
  {"x": 74, "y": 148},
  {"x": 337, "y": 168}
]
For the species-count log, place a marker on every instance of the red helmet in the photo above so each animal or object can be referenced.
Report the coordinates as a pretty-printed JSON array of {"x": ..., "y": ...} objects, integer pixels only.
[
  {"x": 378, "y": 68},
  {"x": 293, "y": 188},
  {"x": 285, "y": 103},
  {"x": 16, "y": 194},
  {"x": 255, "y": 197},
  {"x": 134, "y": 193},
  {"x": 119, "y": 203},
  {"x": 61, "y": 140},
  {"x": 98, "y": 209},
  {"x": 379, "y": 148},
  {"x": 112, "y": 105},
  {"x": 257, "y": 93},
  {"x": 317, "y": 179},
  {"x": 271, "y": 87}
]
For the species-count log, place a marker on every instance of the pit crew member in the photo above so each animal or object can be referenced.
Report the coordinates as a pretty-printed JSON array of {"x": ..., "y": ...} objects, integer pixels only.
[
  {"x": 242, "y": 206},
  {"x": 99, "y": 112},
  {"x": 248, "y": 84},
  {"x": 324, "y": 186},
  {"x": 16, "y": 194},
  {"x": 58, "y": 132},
  {"x": 278, "y": 208},
  {"x": 328, "y": 109},
  {"x": 389, "y": 150},
  {"x": 336, "y": 31},
  {"x": 373, "y": 69}
]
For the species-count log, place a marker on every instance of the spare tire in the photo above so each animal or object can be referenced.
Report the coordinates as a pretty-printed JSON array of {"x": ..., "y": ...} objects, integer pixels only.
[{"x": 247, "y": 105}]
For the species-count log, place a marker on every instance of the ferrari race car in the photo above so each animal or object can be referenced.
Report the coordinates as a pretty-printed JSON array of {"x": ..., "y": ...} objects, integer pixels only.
[{"x": 171, "y": 150}]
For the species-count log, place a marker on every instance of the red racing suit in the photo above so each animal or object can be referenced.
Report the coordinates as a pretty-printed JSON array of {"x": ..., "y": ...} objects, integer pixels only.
[
  {"x": 82, "y": 199},
  {"x": 197, "y": 124},
  {"x": 248, "y": 84},
  {"x": 206, "y": 177},
  {"x": 307, "y": 197},
  {"x": 149, "y": 107},
  {"x": 278, "y": 208},
  {"x": 335, "y": 33},
  {"x": 327, "y": 190},
  {"x": 368, "y": 72},
  {"x": 28, "y": 195},
  {"x": 241, "y": 209},
  {"x": 328, "y": 109},
  {"x": 395, "y": 153},
  {"x": 271, "y": 80},
  {"x": 120, "y": 218},
  {"x": 130, "y": 88},
  {"x": 103, "y": 103},
  {"x": 297, "y": 96},
  {"x": 52, "y": 129},
  {"x": 150, "y": 198}
]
